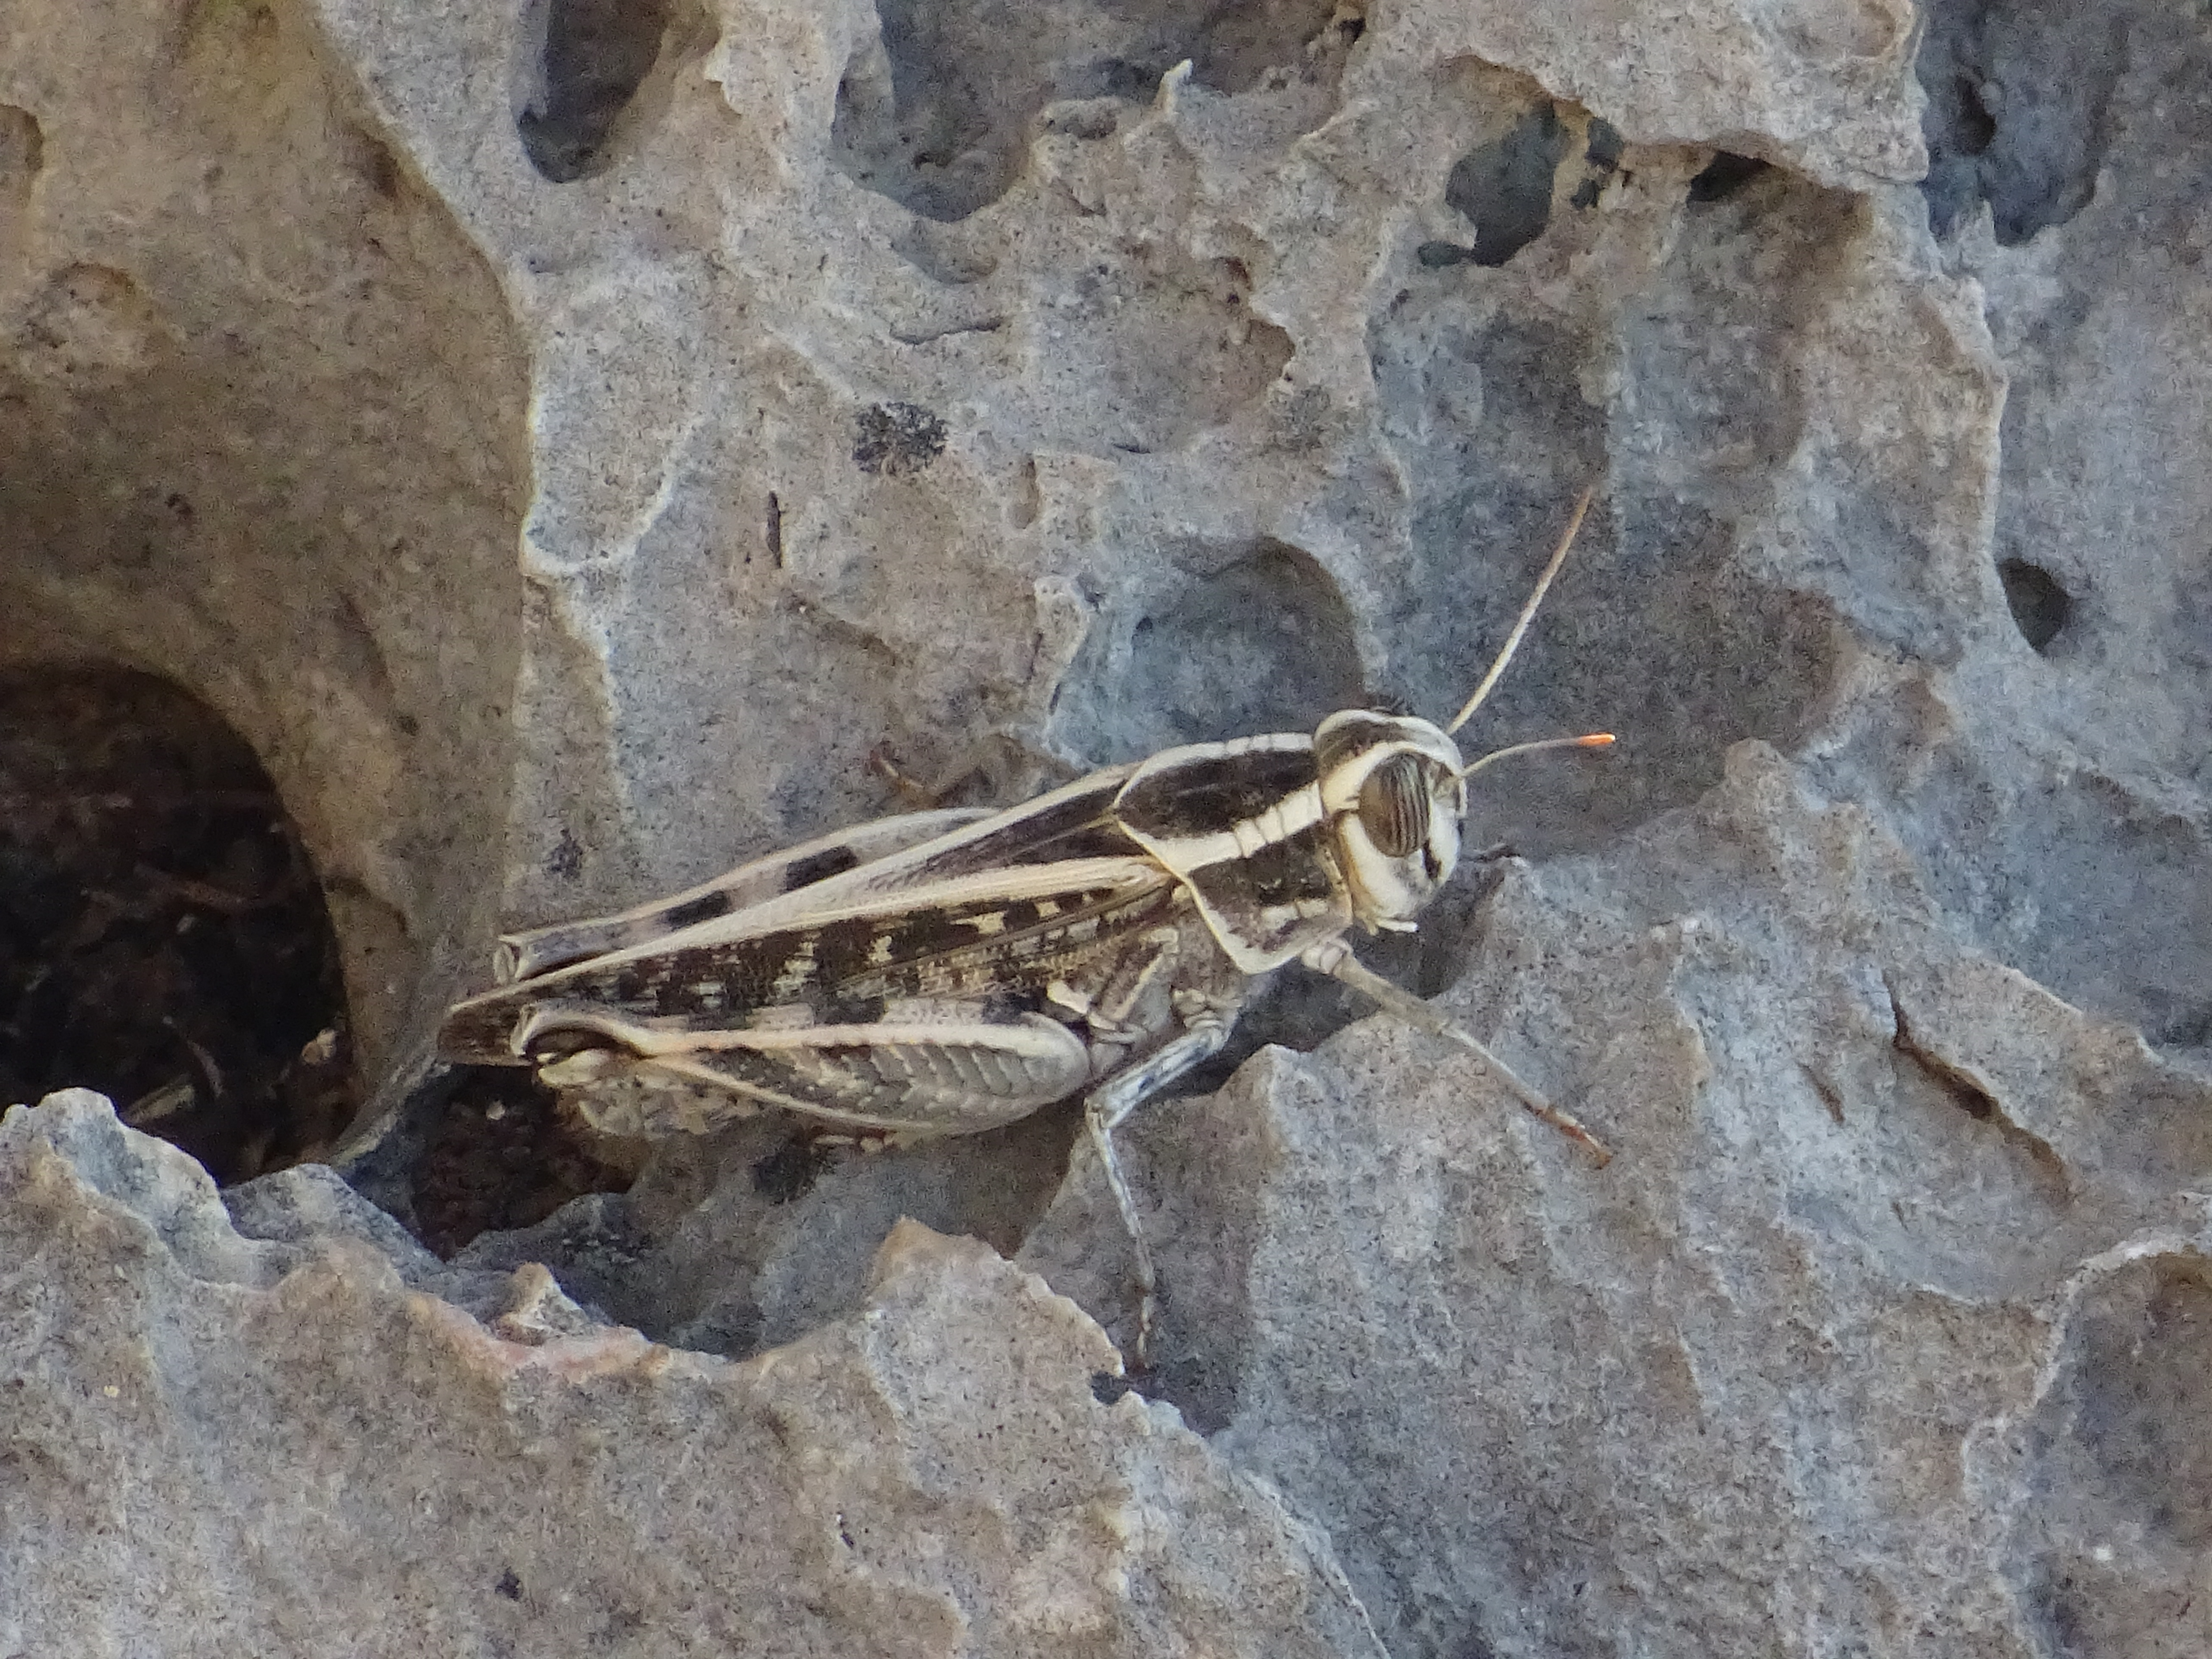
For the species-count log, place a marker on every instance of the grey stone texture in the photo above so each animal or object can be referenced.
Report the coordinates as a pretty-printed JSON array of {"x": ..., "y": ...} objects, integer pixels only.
[
  {"x": 221, "y": 1445},
  {"x": 569, "y": 440}
]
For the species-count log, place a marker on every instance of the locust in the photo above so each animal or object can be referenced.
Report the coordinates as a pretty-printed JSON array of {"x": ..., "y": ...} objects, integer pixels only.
[{"x": 946, "y": 972}]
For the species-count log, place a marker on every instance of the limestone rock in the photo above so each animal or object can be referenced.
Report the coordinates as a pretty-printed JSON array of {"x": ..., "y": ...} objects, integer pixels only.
[
  {"x": 1822, "y": 1321},
  {"x": 570, "y": 441},
  {"x": 221, "y": 1446}
]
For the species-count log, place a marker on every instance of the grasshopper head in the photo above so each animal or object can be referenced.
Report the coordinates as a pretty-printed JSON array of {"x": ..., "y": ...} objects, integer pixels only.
[
  {"x": 1391, "y": 786},
  {"x": 1394, "y": 791}
]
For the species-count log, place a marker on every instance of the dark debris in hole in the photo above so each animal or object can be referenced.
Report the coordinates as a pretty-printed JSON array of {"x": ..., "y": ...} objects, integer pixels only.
[
  {"x": 502, "y": 1155},
  {"x": 162, "y": 934},
  {"x": 790, "y": 1171},
  {"x": 1601, "y": 161},
  {"x": 1505, "y": 187},
  {"x": 895, "y": 440}
]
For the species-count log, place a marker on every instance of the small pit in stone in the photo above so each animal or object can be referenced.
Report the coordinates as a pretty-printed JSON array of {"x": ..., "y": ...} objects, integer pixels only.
[
  {"x": 584, "y": 61},
  {"x": 1975, "y": 129},
  {"x": 1503, "y": 189},
  {"x": 163, "y": 938},
  {"x": 1726, "y": 175},
  {"x": 2040, "y": 607}
]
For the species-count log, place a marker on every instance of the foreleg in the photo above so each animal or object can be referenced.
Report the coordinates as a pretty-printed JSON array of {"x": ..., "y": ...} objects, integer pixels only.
[{"x": 1109, "y": 1107}]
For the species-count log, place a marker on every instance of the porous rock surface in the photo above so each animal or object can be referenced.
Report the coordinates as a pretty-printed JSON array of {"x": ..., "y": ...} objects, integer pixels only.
[
  {"x": 973, "y": 379},
  {"x": 219, "y": 1444}
]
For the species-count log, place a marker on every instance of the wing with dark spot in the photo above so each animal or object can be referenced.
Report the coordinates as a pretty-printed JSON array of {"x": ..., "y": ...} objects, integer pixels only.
[
  {"x": 541, "y": 950},
  {"x": 838, "y": 971}
]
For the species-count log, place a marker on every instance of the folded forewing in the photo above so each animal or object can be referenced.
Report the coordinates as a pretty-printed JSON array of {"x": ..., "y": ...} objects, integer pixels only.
[
  {"x": 540, "y": 950},
  {"x": 1002, "y": 936}
]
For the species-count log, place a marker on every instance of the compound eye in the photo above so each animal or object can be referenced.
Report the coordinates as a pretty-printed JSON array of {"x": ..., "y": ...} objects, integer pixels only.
[{"x": 1394, "y": 807}]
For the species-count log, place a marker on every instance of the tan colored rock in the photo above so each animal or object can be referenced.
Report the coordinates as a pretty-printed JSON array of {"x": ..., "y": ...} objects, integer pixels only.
[
  {"x": 222, "y": 1446},
  {"x": 260, "y": 411}
]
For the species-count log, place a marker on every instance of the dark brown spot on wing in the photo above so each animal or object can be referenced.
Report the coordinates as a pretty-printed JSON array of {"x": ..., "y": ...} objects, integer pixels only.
[
  {"x": 705, "y": 908},
  {"x": 818, "y": 867}
]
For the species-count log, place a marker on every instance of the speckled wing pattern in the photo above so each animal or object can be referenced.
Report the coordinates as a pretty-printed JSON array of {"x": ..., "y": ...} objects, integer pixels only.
[{"x": 909, "y": 991}]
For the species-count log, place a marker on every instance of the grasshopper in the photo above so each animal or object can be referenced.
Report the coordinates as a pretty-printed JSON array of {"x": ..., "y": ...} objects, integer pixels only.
[{"x": 946, "y": 972}]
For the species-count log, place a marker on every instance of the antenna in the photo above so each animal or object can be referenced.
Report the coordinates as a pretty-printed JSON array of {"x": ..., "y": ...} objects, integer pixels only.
[
  {"x": 1521, "y": 626},
  {"x": 1588, "y": 740}
]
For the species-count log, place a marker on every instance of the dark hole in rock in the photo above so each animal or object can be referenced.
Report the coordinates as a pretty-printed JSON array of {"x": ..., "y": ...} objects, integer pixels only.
[
  {"x": 380, "y": 168},
  {"x": 1605, "y": 146},
  {"x": 1600, "y": 161},
  {"x": 163, "y": 937},
  {"x": 1976, "y": 128},
  {"x": 2040, "y": 607},
  {"x": 1727, "y": 174},
  {"x": 500, "y": 1154},
  {"x": 23, "y": 149},
  {"x": 1118, "y": 77},
  {"x": 2017, "y": 110},
  {"x": 1961, "y": 1089},
  {"x": 1505, "y": 188},
  {"x": 790, "y": 1171},
  {"x": 587, "y": 61}
]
